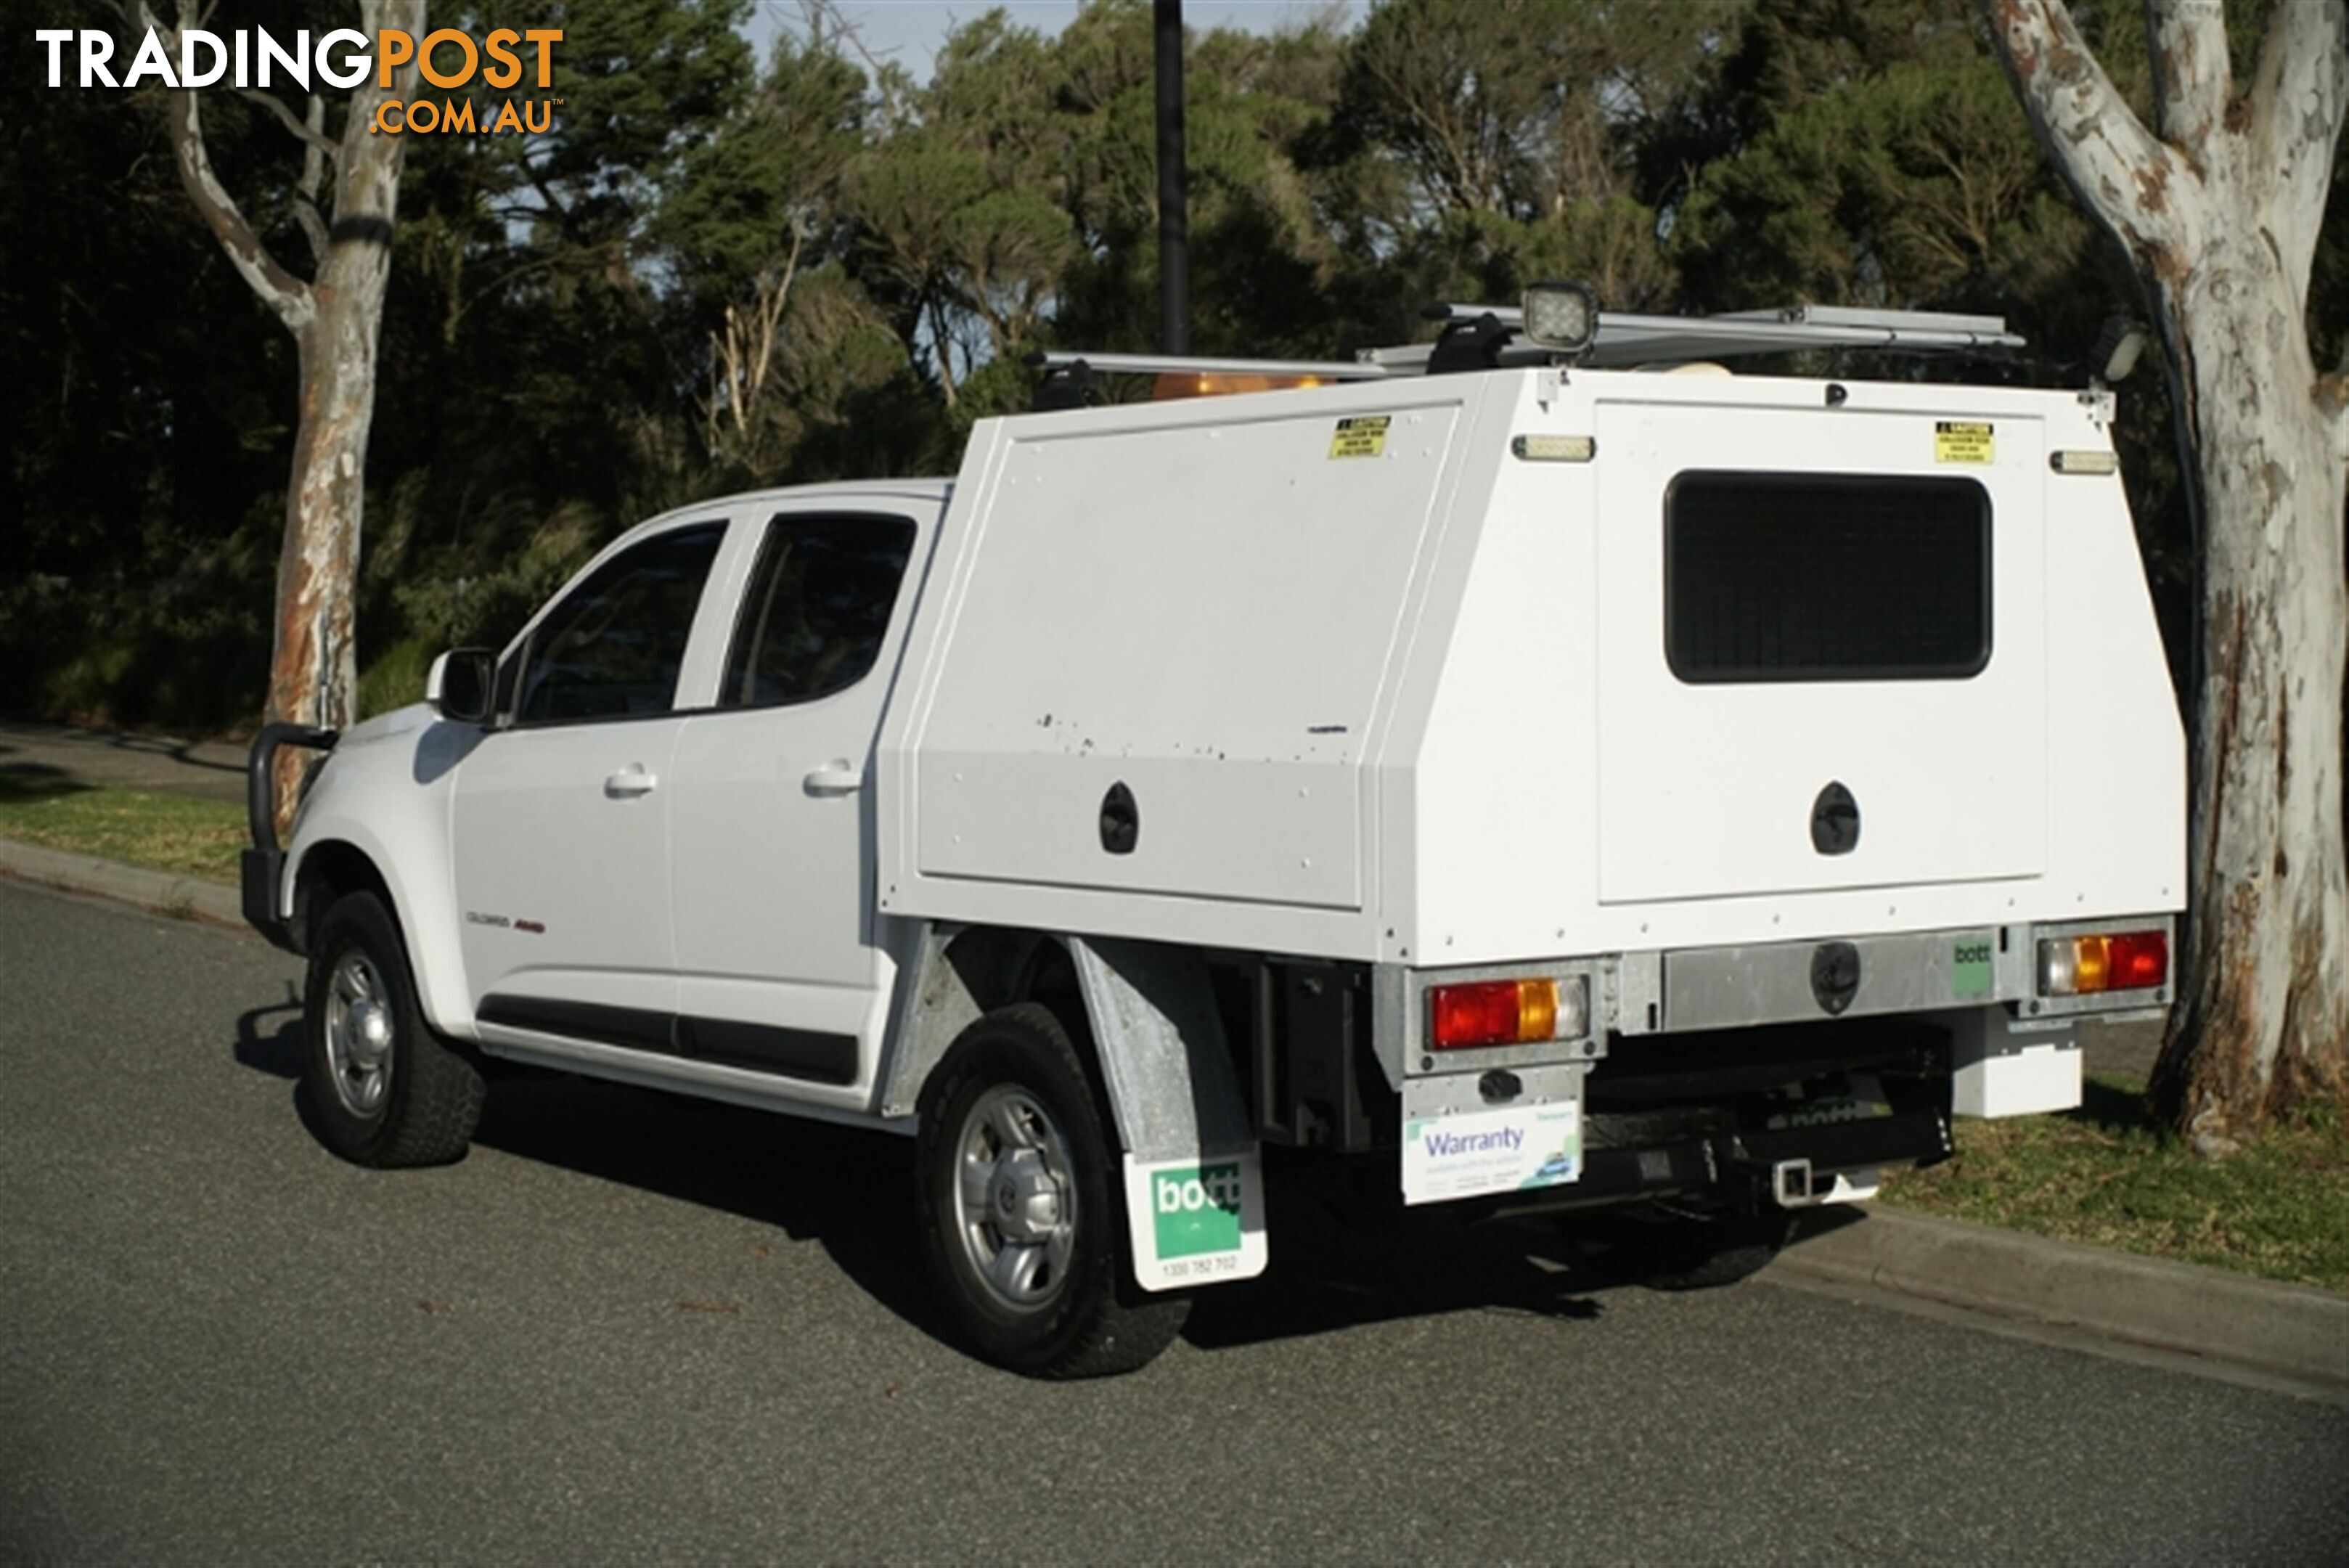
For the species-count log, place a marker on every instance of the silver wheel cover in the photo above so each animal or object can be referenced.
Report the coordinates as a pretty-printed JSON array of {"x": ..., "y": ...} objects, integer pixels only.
[
  {"x": 1015, "y": 1198},
  {"x": 360, "y": 1029}
]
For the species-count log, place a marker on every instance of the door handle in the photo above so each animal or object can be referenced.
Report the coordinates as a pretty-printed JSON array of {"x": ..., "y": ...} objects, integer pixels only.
[
  {"x": 629, "y": 783},
  {"x": 835, "y": 777}
]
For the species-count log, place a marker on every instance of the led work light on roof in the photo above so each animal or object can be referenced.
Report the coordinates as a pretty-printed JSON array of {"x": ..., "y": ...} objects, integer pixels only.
[{"x": 1562, "y": 315}]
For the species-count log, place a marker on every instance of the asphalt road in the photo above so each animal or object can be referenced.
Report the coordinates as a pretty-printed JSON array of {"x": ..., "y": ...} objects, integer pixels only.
[{"x": 631, "y": 1327}]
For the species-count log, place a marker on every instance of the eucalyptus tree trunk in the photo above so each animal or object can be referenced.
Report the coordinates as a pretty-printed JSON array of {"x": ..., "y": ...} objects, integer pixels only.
[
  {"x": 2219, "y": 205},
  {"x": 336, "y": 317},
  {"x": 313, "y": 672}
]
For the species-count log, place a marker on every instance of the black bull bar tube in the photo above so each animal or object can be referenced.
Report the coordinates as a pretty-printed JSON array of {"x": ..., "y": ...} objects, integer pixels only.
[{"x": 262, "y": 866}]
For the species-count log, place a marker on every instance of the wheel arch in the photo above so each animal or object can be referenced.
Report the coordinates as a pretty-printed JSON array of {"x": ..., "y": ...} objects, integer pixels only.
[
  {"x": 341, "y": 859},
  {"x": 1142, "y": 1016}
]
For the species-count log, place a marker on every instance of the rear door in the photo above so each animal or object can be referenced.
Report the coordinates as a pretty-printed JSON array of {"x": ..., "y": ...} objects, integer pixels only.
[
  {"x": 1822, "y": 649},
  {"x": 771, "y": 836}
]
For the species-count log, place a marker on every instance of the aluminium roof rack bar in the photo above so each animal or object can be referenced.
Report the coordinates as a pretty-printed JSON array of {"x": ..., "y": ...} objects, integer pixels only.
[
  {"x": 1199, "y": 365},
  {"x": 1626, "y": 339}
]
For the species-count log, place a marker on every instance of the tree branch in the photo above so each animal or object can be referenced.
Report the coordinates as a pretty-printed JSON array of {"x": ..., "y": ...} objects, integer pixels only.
[
  {"x": 2192, "y": 78},
  {"x": 2298, "y": 102},
  {"x": 354, "y": 161},
  {"x": 283, "y": 293},
  {"x": 269, "y": 100},
  {"x": 2119, "y": 170},
  {"x": 315, "y": 153}
]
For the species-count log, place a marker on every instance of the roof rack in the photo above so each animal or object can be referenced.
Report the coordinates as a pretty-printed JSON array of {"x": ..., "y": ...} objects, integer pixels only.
[
  {"x": 1623, "y": 339},
  {"x": 1203, "y": 365}
]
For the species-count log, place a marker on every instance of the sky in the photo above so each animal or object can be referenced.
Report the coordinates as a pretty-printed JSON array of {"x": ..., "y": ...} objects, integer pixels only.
[{"x": 911, "y": 30}]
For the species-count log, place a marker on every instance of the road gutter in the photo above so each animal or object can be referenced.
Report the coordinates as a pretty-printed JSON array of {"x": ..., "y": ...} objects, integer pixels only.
[
  {"x": 188, "y": 897},
  {"x": 2294, "y": 1333}
]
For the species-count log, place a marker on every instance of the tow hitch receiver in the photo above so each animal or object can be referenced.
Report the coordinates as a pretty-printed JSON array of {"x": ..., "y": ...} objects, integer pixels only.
[{"x": 1790, "y": 1182}]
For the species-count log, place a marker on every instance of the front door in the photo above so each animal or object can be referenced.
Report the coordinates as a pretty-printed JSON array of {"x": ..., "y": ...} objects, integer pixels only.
[
  {"x": 772, "y": 825},
  {"x": 561, "y": 814}
]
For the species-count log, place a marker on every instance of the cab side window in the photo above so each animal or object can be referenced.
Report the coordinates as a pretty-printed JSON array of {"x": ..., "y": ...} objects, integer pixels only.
[
  {"x": 817, "y": 608},
  {"x": 612, "y": 647}
]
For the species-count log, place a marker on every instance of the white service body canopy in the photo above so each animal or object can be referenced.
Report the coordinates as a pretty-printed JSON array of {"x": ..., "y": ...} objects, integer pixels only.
[{"x": 1390, "y": 693}]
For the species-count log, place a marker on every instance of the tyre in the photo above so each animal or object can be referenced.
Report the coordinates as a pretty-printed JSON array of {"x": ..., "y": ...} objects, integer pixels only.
[
  {"x": 1677, "y": 1251},
  {"x": 1021, "y": 1208},
  {"x": 387, "y": 1090}
]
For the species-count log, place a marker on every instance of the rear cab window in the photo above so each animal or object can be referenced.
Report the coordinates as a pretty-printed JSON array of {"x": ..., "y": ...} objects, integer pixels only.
[{"x": 817, "y": 608}]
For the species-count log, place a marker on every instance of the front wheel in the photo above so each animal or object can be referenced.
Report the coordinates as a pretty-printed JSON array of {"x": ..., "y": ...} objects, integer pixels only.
[
  {"x": 388, "y": 1091},
  {"x": 1020, "y": 1208}
]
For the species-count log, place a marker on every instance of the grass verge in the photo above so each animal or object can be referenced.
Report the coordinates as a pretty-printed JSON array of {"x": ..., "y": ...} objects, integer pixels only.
[
  {"x": 168, "y": 832},
  {"x": 2106, "y": 1175}
]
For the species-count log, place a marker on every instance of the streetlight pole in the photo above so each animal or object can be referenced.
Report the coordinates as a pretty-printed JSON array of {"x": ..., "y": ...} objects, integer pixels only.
[{"x": 1174, "y": 187}]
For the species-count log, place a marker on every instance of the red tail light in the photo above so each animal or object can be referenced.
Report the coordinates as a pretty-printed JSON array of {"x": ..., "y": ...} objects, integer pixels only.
[
  {"x": 2138, "y": 959},
  {"x": 1492, "y": 1012},
  {"x": 2082, "y": 966}
]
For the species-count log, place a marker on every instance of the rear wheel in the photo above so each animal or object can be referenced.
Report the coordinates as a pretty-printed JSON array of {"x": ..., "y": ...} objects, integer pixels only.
[
  {"x": 387, "y": 1089},
  {"x": 1021, "y": 1211}
]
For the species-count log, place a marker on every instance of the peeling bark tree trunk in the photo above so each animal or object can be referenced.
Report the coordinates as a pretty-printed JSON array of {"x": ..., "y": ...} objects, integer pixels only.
[
  {"x": 336, "y": 318},
  {"x": 2218, "y": 208},
  {"x": 313, "y": 674}
]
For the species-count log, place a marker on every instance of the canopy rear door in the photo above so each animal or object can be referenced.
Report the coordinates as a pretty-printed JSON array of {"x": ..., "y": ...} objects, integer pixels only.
[{"x": 1822, "y": 650}]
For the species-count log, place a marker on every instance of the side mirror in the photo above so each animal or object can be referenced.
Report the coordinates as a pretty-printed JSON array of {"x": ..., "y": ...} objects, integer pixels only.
[{"x": 459, "y": 684}]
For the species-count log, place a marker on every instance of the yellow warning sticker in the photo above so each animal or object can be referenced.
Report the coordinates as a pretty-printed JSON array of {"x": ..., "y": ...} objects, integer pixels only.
[
  {"x": 1364, "y": 436},
  {"x": 1961, "y": 440}
]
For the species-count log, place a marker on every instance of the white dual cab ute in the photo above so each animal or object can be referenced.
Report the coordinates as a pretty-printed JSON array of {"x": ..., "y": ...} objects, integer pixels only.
[{"x": 1484, "y": 779}]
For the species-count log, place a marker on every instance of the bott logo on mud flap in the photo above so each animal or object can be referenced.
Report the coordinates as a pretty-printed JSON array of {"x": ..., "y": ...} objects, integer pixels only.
[{"x": 1198, "y": 1211}]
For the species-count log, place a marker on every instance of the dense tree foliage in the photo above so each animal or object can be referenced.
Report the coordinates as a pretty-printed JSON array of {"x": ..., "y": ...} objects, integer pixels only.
[{"x": 717, "y": 271}]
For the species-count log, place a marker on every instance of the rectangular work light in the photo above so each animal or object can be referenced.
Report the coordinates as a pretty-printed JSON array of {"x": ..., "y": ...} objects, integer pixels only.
[{"x": 1562, "y": 315}]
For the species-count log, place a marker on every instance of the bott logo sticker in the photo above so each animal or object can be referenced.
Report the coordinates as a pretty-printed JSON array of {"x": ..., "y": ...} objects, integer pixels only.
[
  {"x": 1196, "y": 1211},
  {"x": 1196, "y": 1221},
  {"x": 1971, "y": 975}
]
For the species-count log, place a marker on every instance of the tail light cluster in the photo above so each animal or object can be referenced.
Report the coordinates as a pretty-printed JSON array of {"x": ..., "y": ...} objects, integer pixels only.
[
  {"x": 1476, "y": 1014},
  {"x": 2084, "y": 966}
]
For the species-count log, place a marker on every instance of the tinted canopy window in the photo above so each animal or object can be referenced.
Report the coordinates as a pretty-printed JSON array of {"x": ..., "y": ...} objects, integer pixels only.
[
  {"x": 612, "y": 647},
  {"x": 818, "y": 607},
  {"x": 1801, "y": 576}
]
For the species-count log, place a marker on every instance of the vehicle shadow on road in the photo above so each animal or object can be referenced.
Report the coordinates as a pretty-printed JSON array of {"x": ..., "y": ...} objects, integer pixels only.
[
  {"x": 848, "y": 1191},
  {"x": 274, "y": 1048},
  {"x": 851, "y": 1192},
  {"x": 1329, "y": 1274}
]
